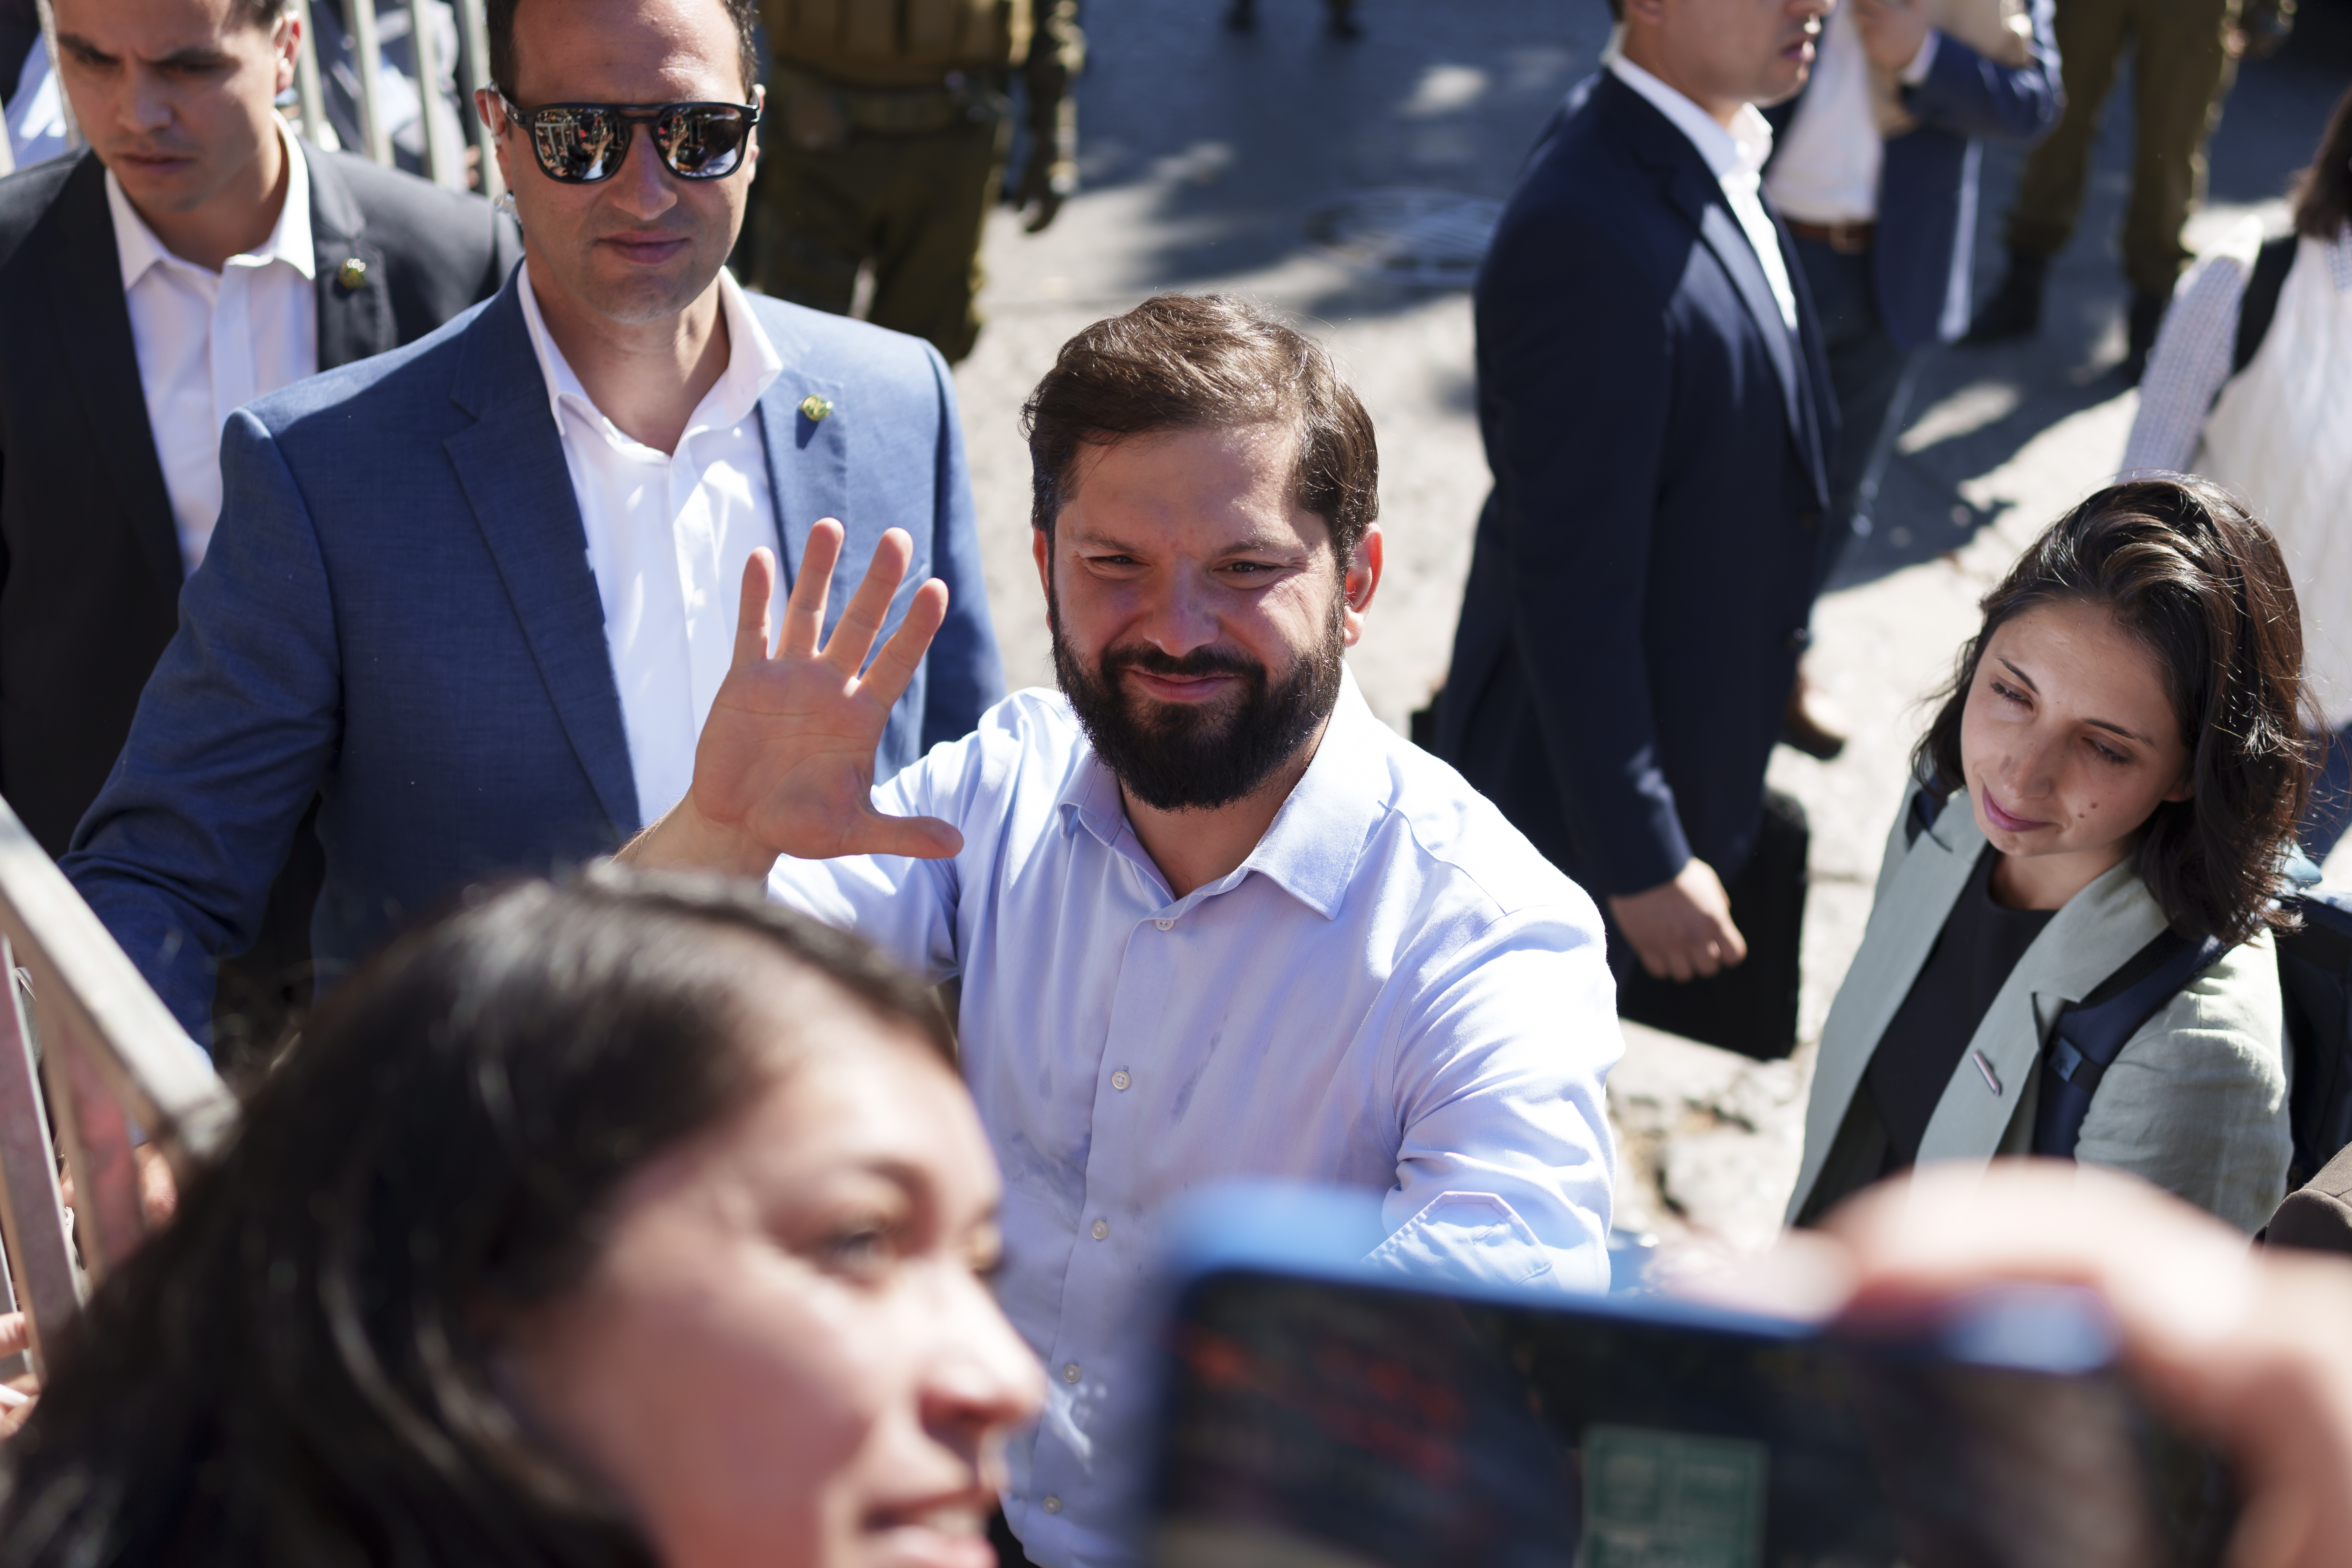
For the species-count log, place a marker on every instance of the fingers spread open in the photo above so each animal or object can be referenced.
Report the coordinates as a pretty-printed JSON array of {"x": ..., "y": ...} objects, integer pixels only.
[
  {"x": 804, "y": 610},
  {"x": 752, "y": 629},
  {"x": 862, "y": 618},
  {"x": 901, "y": 657}
]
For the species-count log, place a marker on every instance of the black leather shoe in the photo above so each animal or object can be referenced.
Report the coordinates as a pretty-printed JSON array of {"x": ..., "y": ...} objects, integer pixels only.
[
  {"x": 2139, "y": 331},
  {"x": 1812, "y": 725},
  {"x": 2014, "y": 311}
]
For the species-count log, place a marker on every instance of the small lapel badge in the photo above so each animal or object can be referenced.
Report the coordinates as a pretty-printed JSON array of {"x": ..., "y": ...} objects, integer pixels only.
[
  {"x": 351, "y": 274},
  {"x": 815, "y": 407},
  {"x": 1992, "y": 1080}
]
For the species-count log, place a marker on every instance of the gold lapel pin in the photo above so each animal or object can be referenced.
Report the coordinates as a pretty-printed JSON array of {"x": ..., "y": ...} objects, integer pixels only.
[
  {"x": 815, "y": 407},
  {"x": 352, "y": 273}
]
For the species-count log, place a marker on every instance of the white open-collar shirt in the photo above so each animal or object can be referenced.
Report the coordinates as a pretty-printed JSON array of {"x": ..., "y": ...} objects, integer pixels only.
[
  {"x": 1395, "y": 993},
  {"x": 209, "y": 342},
  {"x": 669, "y": 536}
]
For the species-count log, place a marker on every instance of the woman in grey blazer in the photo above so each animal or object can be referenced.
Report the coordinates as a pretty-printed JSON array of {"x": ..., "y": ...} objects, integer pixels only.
[{"x": 2120, "y": 752}]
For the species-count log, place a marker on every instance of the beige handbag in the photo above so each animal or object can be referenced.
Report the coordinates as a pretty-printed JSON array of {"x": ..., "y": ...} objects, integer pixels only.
[{"x": 1997, "y": 29}]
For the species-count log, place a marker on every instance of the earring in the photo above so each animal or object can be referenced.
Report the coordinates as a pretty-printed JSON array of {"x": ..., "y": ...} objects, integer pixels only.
[{"x": 505, "y": 204}]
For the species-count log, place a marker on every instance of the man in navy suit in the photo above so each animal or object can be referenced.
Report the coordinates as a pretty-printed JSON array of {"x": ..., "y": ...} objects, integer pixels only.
[
  {"x": 477, "y": 594},
  {"x": 1658, "y": 419}
]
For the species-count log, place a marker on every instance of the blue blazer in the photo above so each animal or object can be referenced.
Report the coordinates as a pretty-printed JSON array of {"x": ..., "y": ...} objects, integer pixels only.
[
  {"x": 1922, "y": 260},
  {"x": 1645, "y": 562},
  {"x": 397, "y": 614}
]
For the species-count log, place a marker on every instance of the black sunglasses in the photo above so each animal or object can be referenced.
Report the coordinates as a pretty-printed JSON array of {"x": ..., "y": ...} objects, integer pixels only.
[{"x": 581, "y": 143}]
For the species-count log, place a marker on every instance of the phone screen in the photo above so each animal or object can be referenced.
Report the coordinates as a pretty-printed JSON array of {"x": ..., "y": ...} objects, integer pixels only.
[{"x": 1327, "y": 1424}]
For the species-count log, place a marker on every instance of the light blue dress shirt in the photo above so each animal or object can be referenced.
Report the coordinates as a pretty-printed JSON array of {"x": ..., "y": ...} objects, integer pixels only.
[{"x": 1395, "y": 993}]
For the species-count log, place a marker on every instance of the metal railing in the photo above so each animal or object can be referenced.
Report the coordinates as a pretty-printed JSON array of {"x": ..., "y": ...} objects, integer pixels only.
[
  {"x": 90, "y": 1060},
  {"x": 445, "y": 159}
]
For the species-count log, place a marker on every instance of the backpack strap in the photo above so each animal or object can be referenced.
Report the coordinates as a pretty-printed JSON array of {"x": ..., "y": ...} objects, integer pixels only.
[
  {"x": 2259, "y": 303},
  {"x": 2093, "y": 1032},
  {"x": 1920, "y": 815}
]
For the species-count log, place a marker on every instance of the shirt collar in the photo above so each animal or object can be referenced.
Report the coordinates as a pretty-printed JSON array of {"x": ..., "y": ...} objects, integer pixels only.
[
  {"x": 1311, "y": 849},
  {"x": 137, "y": 247},
  {"x": 1743, "y": 149},
  {"x": 752, "y": 363}
]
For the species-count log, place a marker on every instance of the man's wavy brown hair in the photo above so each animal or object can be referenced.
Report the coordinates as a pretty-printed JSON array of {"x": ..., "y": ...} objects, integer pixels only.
[{"x": 2201, "y": 583}]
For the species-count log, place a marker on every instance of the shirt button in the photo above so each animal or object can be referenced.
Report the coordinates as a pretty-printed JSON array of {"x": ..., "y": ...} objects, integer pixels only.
[
  {"x": 1070, "y": 1372},
  {"x": 1165, "y": 925},
  {"x": 1119, "y": 1080},
  {"x": 1102, "y": 1230},
  {"x": 1053, "y": 1503}
]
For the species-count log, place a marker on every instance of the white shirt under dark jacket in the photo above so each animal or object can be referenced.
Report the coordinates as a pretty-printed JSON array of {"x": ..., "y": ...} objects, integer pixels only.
[
  {"x": 209, "y": 342},
  {"x": 669, "y": 536},
  {"x": 1737, "y": 157},
  {"x": 1395, "y": 993}
]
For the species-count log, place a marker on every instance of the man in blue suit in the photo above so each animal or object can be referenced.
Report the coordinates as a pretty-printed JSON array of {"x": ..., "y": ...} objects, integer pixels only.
[
  {"x": 1875, "y": 172},
  {"x": 1658, "y": 419},
  {"x": 477, "y": 595}
]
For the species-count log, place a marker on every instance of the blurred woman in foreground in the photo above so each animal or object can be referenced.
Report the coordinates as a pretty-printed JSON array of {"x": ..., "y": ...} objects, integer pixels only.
[
  {"x": 617, "y": 1223},
  {"x": 2119, "y": 757}
]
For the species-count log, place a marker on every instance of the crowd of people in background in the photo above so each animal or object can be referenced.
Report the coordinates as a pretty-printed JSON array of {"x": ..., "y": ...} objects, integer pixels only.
[{"x": 383, "y": 554}]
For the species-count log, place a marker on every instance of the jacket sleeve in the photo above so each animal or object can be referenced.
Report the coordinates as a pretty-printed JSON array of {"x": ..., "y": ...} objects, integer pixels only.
[
  {"x": 1578, "y": 401},
  {"x": 964, "y": 676},
  {"x": 1971, "y": 96},
  {"x": 232, "y": 735},
  {"x": 2196, "y": 1101}
]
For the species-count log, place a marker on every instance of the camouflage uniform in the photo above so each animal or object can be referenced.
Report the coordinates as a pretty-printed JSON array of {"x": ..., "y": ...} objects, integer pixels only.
[{"x": 885, "y": 141}]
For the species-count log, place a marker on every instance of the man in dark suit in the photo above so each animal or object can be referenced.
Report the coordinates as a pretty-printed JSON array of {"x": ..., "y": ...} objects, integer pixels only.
[
  {"x": 477, "y": 593},
  {"x": 1658, "y": 419},
  {"x": 196, "y": 255}
]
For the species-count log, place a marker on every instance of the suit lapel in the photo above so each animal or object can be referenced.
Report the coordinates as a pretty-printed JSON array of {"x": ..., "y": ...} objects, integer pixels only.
[
  {"x": 1730, "y": 244},
  {"x": 2100, "y": 928},
  {"x": 1692, "y": 186},
  {"x": 808, "y": 464},
  {"x": 1906, "y": 919},
  {"x": 511, "y": 464},
  {"x": 86, "y": 273},
  {"x": 355, "y": 320}
]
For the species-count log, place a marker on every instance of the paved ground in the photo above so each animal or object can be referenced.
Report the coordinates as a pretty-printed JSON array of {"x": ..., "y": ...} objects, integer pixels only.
[{"x": 1213, "y": 161}]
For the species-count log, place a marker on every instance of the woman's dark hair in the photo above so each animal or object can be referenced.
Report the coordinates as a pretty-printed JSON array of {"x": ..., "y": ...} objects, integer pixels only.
[
  {"x": 2323, "y": 193},
  {"x": 2201, "y": 586},
  {"x": 299, "y": 1370},
  {"x": 1207, "y": 361}
]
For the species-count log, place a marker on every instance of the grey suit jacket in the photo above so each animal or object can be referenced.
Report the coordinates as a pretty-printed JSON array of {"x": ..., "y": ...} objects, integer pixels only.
[{"x": 2196, "y": 1102}]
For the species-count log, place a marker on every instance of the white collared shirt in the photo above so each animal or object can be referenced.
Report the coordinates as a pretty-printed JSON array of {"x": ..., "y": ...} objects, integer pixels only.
[
  {"x": 1736, "y": 158},
  {"x": 1827, "y": 172},
  {"x": 1395, "y": 993},
  {"x": 669, "y": 536},
  {"x": 209, "y": 342}
]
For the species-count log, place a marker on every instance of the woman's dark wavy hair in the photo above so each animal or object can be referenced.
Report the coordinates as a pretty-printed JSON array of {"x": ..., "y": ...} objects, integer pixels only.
[
  {"x": 298, "y": 1371},
  {"x": 2201, "y": 586}
]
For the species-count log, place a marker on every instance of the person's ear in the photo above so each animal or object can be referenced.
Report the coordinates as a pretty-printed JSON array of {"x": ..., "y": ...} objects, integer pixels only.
[
  {"x": 492, "y": 108},
  {"x": 2185, "y": 787},
  {"x": 1361, "y": 580},
  {"x": 1041, "y": 545},
  {"x": 286, "y": 44}
]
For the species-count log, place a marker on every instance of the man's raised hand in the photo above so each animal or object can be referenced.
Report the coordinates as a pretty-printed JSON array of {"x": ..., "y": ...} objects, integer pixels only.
[{"x": 785, "y": 763}]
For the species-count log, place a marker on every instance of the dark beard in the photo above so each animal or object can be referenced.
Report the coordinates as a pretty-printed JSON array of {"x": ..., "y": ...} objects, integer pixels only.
[{"x": 1197, "y": 757}]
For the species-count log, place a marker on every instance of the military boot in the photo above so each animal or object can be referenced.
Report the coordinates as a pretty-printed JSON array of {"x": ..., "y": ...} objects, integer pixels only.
[{"x": 2014, "y": 311}]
